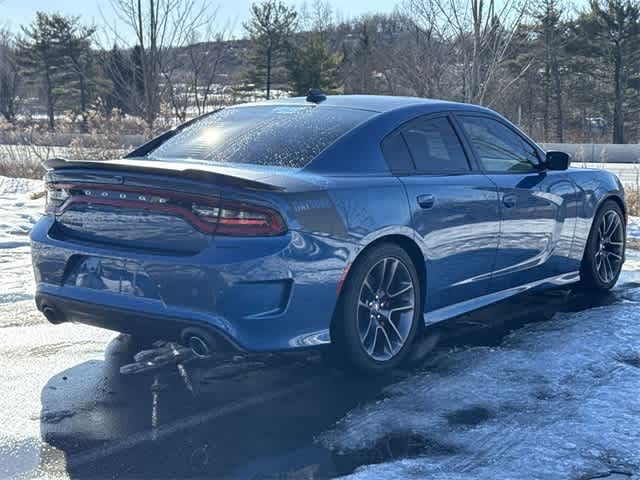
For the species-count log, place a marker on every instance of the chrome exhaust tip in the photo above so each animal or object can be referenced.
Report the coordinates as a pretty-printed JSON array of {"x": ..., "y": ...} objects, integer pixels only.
[
  {"x": 198, "y": 346},
  {"x": 201, "y": 343}
]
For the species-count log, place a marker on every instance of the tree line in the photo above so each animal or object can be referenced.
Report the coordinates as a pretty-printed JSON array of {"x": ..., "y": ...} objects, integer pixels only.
[{"x": 564, "y": 75}]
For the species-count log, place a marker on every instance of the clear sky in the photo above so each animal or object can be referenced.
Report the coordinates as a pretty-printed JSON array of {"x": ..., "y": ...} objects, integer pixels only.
[{"x": 14, "y": 13}]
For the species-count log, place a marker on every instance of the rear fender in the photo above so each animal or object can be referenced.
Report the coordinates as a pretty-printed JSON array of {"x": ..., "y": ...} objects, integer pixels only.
[{"x": 594, "y": 188}]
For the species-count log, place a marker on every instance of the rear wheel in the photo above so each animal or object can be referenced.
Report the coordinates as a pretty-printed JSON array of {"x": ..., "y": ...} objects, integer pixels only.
[
  {"x": 604, "y": 252},
  {"x": 380, "y": 310}
]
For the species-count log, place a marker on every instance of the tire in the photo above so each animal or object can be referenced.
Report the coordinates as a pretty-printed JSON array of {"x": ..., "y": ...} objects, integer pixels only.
[
  {"x": 605, "y": 249},
  {"x": 373, "y": 334}
]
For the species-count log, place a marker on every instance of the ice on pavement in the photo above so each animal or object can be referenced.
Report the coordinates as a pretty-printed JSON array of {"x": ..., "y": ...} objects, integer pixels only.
[
  {"x": 18, "y": 213},
  {"x": 558, "y": 399}
]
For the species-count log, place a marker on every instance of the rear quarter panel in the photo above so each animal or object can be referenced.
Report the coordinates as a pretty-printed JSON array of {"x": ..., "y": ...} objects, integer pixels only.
[
  {"x": 350, "y": 212},
  {"x": 329, "y": 227},
  {"x": 594, "y": 187}
]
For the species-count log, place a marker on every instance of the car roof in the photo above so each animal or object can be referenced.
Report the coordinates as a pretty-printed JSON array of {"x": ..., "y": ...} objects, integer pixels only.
[{"x": 378, "y": 103}]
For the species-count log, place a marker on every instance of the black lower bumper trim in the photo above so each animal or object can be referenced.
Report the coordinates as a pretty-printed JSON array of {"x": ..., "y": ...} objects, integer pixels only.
[{"x": 126, "y": 321}]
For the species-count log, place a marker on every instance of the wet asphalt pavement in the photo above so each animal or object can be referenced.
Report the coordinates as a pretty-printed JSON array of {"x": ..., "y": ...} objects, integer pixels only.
[{"x": 67, "y": 411}]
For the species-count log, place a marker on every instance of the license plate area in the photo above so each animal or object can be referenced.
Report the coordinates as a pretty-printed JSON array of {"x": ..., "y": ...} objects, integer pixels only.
[{"x": 124, "y": 277}]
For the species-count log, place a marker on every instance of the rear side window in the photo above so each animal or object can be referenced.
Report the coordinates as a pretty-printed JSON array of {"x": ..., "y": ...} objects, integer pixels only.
[
  {"x": 273, "y": 135},
  {"x": 395, "y": 152}
]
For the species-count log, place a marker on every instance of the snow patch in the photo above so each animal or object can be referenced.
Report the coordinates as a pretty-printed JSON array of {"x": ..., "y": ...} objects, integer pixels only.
[
  {"x": 11, "y": 185},
  {"x": 633, "y": 228},
  {"x": 19, "y": 212}
]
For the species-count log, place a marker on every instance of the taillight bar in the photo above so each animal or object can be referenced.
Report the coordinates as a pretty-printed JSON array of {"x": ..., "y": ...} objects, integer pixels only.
[{"x": 222, "y": 217}]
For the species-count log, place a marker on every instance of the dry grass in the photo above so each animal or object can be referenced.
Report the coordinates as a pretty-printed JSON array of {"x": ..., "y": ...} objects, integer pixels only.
[
  {"x": 24, "y": 161},
  {"x": 632, "y": 193},
  {"x": 23, "y": 150},
  {"x": 633, "y": 201}
]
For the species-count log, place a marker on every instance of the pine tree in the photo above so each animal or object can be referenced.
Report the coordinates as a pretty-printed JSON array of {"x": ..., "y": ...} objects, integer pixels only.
[
  {"x": 9, "y": 77},
  {"x": 550, "y": 32},
  {"x": 86, "y": 81},
  {"x": 609, "y": 35},
  {"x": 271, "y": 25},
  {"x": 42, "y": 59},
  {"x": 312, "y": 65}
]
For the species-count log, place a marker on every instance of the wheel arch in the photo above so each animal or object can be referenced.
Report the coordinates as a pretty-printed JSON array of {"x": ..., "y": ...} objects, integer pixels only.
[
  {"x": 409, "y": 245},
  {"x": 588, "y": 280},
  {"x": 621, "y": 203},
  {"x": 604, "y": 199}
]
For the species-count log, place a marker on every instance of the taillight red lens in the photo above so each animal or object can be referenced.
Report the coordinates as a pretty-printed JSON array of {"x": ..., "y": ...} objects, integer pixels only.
[{"x": 241, "y": 219}]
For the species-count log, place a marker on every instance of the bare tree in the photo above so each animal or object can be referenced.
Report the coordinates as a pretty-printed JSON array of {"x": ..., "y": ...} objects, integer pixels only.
[
  {"x": 421, "y": 56},
  {"x": 159, "y": 27},
  {"x": 201, "y": 61},
  {"x": 9, "y": 77},
  {"x": 482, "y": 31},
  {"x": 317, "y": 17}
]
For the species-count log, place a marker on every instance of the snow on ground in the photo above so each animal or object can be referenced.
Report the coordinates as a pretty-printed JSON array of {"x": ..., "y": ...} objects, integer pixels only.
[
  {"x": 18, "y": 213},
  {"x": 32, "y": 351},
  {"x": 633, "y": 229},
  {"x": 558, "y": 399}
]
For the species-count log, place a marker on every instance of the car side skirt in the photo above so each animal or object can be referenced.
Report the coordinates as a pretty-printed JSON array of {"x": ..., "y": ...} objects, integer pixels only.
[{"x": 479, "y": 302}]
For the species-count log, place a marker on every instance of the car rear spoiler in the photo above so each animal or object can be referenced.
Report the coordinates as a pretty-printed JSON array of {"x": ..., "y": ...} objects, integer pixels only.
[{"x": 213, "y": 174}]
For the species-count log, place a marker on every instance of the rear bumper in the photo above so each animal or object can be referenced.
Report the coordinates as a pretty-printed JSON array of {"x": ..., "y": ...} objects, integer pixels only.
[
  {"x": 134, "y": 322},
  {"x": 265, "y": 295}
]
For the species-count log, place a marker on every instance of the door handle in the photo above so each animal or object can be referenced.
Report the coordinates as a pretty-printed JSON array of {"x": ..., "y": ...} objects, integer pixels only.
[
  {"x": 509, "y": 201},
  {"x": 426, "y": 200}
]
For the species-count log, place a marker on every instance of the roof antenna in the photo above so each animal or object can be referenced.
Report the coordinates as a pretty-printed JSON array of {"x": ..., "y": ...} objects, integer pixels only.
[{"x": 316, "y": 95}]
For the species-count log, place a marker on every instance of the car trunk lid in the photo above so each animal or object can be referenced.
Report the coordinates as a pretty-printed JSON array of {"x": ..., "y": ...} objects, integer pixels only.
[{"x": 157, "y": 206}]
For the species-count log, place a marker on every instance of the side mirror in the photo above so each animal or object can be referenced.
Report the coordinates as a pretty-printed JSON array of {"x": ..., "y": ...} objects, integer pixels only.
[{"x": 557, "y": 161}]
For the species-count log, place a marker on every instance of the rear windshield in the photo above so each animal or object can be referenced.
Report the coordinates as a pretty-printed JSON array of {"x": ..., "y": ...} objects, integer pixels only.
[{"x": 274, "y": 135}]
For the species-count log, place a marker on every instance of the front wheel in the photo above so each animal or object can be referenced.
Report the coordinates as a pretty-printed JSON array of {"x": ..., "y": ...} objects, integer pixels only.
[
  {"x": 605, "y": 249},
  {"x": 380, "y": 310}
]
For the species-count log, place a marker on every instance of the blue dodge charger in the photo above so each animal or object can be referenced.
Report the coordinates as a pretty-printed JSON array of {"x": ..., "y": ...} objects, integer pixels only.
[{"x": 345, "y": 220}]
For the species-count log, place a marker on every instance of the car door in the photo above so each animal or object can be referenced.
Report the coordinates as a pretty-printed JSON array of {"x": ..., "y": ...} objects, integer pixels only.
[
  {"x": 538, "y": 207},
  {"x": 455, "y": 209}
]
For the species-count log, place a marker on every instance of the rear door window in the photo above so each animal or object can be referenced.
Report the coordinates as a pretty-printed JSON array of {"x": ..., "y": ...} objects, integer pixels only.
[
  {"x": 273, "y": 135},
  {"x": 427, "y": 146},
  {"x": 435, "y": 147}
]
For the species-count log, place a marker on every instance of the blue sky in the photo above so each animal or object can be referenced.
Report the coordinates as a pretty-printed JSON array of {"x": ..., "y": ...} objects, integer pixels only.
[{"x": 14, "y": 13}]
